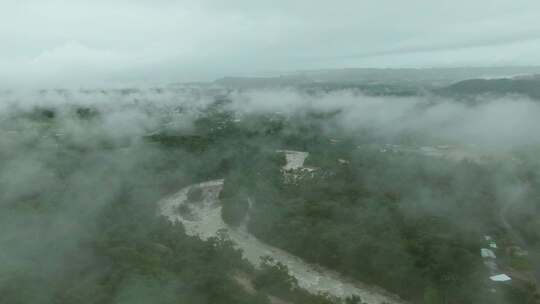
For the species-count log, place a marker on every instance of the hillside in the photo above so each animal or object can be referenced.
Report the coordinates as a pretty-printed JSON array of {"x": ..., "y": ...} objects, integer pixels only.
[{"x": 526, "y": 86}]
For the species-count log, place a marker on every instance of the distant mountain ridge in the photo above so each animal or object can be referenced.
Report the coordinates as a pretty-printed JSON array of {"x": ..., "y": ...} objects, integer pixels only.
[
  {"x": 429, "y": 77},
  {"x": 522, "y": 85}
]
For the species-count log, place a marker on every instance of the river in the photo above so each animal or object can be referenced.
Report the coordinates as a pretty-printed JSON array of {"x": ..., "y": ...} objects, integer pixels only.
[{"x": 203, "y": 219}]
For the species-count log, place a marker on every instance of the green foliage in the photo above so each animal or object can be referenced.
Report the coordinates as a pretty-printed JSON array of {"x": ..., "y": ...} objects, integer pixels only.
[
  {"x": 353, "y": 300},
  {"x": 192, "y": 143},
  {"x": 432, "y": 296},
  {"x": 234, "y": 210},
  {"x": 520, "y": 293},
  {"x": 235, "y": 205},
  {"x": 194, "y": 195},
  {"x": 357, "y": 219},
  {"x": 86, "y": 113},
  {"x": 43, "y": 114},
  {"x": 137, "y": 257},
  {"x": 274, "y": 278},
  {"x": 405, "y": 222}
]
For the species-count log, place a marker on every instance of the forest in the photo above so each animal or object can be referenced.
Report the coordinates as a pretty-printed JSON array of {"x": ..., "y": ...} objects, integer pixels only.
[{"x": 84, "y": 227}]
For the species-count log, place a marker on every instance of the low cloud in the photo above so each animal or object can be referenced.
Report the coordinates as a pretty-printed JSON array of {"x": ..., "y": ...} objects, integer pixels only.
[{"x": 502, "y": 123}]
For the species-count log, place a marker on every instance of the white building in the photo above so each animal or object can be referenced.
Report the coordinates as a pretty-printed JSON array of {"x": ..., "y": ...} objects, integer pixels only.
[
  {"x": 487, "y": 253},
  {"x": 500, "y": 278}
]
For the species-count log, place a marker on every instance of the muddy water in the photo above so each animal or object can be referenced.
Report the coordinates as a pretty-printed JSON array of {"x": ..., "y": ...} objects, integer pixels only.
[{"x": 204, "y": 220}]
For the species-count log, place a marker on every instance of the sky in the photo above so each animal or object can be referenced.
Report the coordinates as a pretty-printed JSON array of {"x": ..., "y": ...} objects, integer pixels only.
[{"x": 57, "y": 43}]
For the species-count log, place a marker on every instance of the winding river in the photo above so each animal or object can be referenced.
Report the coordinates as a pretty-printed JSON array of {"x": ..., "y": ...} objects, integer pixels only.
[{"x": 203, "y": 219}]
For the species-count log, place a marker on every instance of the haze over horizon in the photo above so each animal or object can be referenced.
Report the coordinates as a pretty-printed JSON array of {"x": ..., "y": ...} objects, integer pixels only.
[{"x": 51, "y": 43}]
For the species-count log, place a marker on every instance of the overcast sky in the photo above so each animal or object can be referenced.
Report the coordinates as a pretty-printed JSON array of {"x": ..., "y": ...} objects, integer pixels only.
[{"x": 54, "y": 42}]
